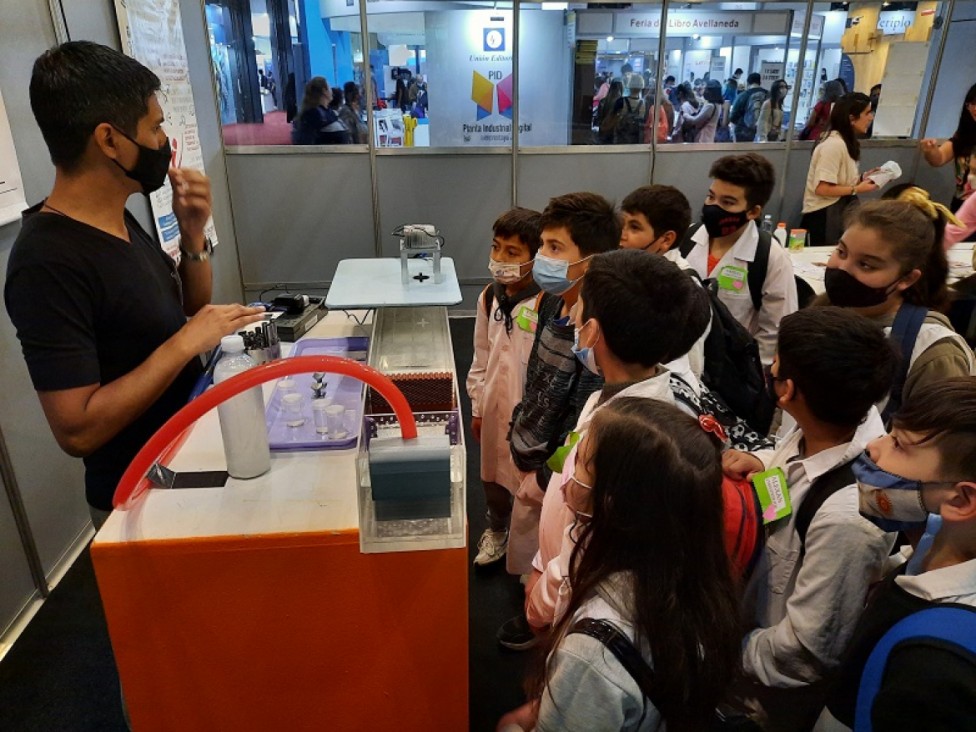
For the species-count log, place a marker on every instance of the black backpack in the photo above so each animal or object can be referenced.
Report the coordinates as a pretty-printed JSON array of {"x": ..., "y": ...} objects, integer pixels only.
[
  {"x": 732, "y": 365},
  {"x": 630, "y": 123}
]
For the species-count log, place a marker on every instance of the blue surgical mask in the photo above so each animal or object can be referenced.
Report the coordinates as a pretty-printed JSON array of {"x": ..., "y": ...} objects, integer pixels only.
[
  {"x": 552, "y": 274},
  {"x": 585, "y": 355},
  {"x": 889, "y": 501}
]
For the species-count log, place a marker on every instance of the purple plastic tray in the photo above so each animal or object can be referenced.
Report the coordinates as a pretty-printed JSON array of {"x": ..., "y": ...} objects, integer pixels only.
[{"x": 343, "y": 390}]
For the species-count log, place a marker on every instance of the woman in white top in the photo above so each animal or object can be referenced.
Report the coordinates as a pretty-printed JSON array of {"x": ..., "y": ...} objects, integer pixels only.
[
  {"x": 891, "y": 254},
  {"x": 654, "y": 568},
  {"x": 705, "y": 121},
  {"x": 771, "y": 112},
  {"x": 833, "y": 180}
]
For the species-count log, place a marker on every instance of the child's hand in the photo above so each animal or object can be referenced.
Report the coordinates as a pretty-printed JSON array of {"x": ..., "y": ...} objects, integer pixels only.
[
  {"x": 476, "y": 428},
  {"x": 741, "y": 465}
]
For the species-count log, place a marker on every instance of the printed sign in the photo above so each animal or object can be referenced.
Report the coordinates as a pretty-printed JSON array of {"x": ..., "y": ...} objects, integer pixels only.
[
  {"x": 152, "y": 33},
  {"x": 12, "y": 201},
  {"x": 895, "y": 22}
]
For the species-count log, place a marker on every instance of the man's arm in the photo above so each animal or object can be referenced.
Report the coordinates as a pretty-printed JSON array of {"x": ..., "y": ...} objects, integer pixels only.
[
  {"x": 192, "y": 207},
  {"x": 86, "y": 417}
]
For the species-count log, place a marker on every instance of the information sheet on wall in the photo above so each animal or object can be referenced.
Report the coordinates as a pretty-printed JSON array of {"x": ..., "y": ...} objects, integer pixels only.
[
  {"x": 152, "y": 33},
  {"x": 12, "y": 201}
]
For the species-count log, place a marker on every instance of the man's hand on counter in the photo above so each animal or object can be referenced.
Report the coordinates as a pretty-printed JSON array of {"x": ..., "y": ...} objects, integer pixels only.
[{"x": 204, "y": 330}]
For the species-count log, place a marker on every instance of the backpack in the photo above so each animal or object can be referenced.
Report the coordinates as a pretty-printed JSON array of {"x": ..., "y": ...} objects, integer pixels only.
[
  {"x": 630, "y": 124},
  {"x": 742, "y": 514},
  {"x": 754, "y": 104},
  {"x": 904, "y": 332},
  {"x": 640, "y": 671},
  {"x": 732, "y": 365},
  {"x": 953, "y": 625}
]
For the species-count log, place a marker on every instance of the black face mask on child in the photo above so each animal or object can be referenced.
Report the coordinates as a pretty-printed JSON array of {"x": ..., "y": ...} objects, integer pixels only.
[
  {"x": 719, "y": 222},
  {"x": 846, "y": 291}
]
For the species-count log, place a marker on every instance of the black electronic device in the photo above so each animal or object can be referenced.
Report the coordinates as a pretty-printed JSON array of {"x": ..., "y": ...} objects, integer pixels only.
[{"x": 292, "y": 327}]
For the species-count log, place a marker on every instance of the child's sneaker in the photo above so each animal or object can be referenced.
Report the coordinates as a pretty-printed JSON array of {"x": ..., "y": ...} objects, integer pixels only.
[{"x": 491, "y": 547}]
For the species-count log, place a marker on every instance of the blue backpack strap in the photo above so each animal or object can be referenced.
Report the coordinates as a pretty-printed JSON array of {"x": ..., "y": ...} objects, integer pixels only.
[
  {"x": 904, "y": 332},
  {"x": 951, "y": 624},
  {"x": 756, "y": 276}
]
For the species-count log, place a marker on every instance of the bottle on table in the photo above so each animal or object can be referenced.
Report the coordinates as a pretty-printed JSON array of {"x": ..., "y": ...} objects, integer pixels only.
[
  {"x": 767, "y": 223},
  {"x": 242, "y": 425},
  {"x": 781, "y": 235},
  {"x": 798, "y": 239}
]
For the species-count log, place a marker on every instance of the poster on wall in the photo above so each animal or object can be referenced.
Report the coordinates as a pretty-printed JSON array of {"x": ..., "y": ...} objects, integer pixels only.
[
  {"x": 770, "y": 71},
  {"x": 152, "y": 33},
  {"x": 12, "y": 200}
]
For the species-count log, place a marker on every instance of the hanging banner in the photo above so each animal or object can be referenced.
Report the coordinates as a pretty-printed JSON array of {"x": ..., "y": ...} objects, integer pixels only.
[
  {"x": 12, "y": 201},
  {"x": 770, "y": 71},
  {"x": 152, "y": 33}
]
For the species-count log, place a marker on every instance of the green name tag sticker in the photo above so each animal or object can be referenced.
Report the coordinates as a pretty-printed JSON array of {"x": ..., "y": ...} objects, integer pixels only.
[
  {"x": 773, "y": 494},
  {"x": 732, "y": 278},
  {"x": 558, "y": 459},
  {"x": 527, "y": 319}
]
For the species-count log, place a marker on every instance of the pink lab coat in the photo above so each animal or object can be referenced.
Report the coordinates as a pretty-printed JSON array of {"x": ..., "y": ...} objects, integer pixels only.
[
  {"x": 495, "y": 384},
  {"x": 967, "y": 214}
]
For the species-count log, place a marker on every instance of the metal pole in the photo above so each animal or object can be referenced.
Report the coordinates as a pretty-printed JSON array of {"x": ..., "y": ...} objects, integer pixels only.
[
  {"x": 659, "y": 81},
  {"x": 20, "y": 518},
  {"x": 370, "y": 102},
  {"x": 517, "y": 12},
  {"x": 797, "y": 83},
  {"x": 61, "y": 33},
  {"x": 933, "y": 78}
]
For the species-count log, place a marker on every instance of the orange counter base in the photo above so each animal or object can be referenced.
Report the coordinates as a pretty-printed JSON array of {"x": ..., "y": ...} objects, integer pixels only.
[{"x": 287, "y": 632}]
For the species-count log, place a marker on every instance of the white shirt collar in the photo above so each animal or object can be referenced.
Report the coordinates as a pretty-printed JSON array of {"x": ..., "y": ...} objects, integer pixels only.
[
  {"x": 948, "y": 584},
  {"x": 826, "y": 460},
  {"x": 744, "y": 247}
]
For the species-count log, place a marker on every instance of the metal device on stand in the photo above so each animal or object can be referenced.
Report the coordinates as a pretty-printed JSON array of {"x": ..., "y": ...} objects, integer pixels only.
[{"x": 419, "y": 240}]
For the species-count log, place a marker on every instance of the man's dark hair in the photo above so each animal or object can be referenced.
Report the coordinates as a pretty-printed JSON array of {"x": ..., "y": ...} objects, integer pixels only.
[
  {"x": 944, "y": 412},
  {"x": 351, "y": 92},
  {"x": 754, "y": 78},
  {"x": 590, "y": 219},
  {"x": 668, "y": 78},
  {"x": 523, "y": 223},
  {"x": 665, "y": 208},
  {"x": 840, "y": 362},
  {"x": 650, "y": 312},
  {"x": 751, "y": 171},
  {"x": 737, "y": 71},
  {"x": 79, "y": 85}
]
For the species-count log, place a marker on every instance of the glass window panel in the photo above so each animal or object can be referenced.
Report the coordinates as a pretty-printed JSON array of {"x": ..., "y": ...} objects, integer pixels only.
[
  {"x": 264, "y": 55},
  {"x": 443, "y": 73},
  {"x": 577, "y": 62}
]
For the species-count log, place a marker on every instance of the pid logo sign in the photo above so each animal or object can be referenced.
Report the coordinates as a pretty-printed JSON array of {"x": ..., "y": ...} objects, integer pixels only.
[{"x": 494, "y": 39}]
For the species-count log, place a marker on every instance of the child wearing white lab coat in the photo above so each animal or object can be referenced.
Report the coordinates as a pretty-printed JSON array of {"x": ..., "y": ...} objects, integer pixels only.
[
  {"x": 505, "y": 327},
  {"x": 725, "y": 247}
]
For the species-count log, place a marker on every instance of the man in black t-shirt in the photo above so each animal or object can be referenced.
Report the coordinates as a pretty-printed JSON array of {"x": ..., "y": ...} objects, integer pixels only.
[{"x": 100, "y": 310}]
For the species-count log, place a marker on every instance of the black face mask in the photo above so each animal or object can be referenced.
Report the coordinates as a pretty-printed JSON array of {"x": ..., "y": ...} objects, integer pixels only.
[
  {"x": 719, "y": 222},
  {"x": 771, "y": 384},
  {"x": 846, "y": 291},
  {"x": 151, "y": 166}
]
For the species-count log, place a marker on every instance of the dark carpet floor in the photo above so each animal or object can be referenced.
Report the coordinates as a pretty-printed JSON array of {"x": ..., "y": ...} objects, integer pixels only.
[{"x": 60, "y": 674}]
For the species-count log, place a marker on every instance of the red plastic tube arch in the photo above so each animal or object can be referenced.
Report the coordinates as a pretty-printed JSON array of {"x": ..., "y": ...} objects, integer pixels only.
[{"x": 134, "y": 482}]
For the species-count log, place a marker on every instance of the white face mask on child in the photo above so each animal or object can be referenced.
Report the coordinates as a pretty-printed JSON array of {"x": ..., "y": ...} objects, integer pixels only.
[{"x": 506, "y": 273}]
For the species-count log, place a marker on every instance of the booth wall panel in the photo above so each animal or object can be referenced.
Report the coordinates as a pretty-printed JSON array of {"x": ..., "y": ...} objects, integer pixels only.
[
  {"x": 50, "y": 482},
  {"x": 461, "y": 195},
  {"x": 18, "y": 585},
  {"x": 613, "y": 175},
  {"x": 297, "y": 215}
]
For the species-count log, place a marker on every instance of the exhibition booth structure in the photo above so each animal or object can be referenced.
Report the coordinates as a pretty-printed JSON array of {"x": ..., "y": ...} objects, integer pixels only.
[{"x": 309, "y": 594}]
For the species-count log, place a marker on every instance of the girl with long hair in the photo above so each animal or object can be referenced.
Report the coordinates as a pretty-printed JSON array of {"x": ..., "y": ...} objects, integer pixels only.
[
  {"x": 703, "y": 124},
  {"x": 688, "y": 107},
  {"x": 604, "y": 112},
  {"x": 650, "y": 561},
  {"x": 317, "y": 123},
  {"x": 960, "y": 148},
  {"x": 833, "y": 180},
  {"x": 771, "y": 113},
  {"x": 820, "y": 114},
  {"x": 890, "y": 259}
]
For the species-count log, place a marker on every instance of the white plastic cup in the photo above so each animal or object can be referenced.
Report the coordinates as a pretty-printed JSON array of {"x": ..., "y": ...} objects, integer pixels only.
[
  {"x": 320, "y": 416},
  {"x": 334, "y": 414},
  {"x": 292, "y": 406},
  {"x": 349, "y": 419}
]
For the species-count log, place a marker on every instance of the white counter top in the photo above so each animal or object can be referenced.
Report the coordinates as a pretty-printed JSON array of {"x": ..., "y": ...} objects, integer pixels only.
[{"x": 307, "y": 491}]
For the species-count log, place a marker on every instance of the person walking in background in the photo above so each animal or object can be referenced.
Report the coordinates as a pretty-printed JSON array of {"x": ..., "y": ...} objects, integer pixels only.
[
  {"x": 702, "y": 125},
  {"x": 959, "y": 149},
  {"x": 351, "y": 114},
  {"x": 771, "y": 113},
  {"x": 820, "y": 114},
  {"x": 833, "y": 179},
  {"x": 316, "y": 123},
  {"x": 688, "y": 106},
  {"x": 745, "y": 111}
]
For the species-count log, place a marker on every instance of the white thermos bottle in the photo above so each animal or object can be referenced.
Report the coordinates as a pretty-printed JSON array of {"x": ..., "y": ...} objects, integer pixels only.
[{"x": 242, "y": 424}]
